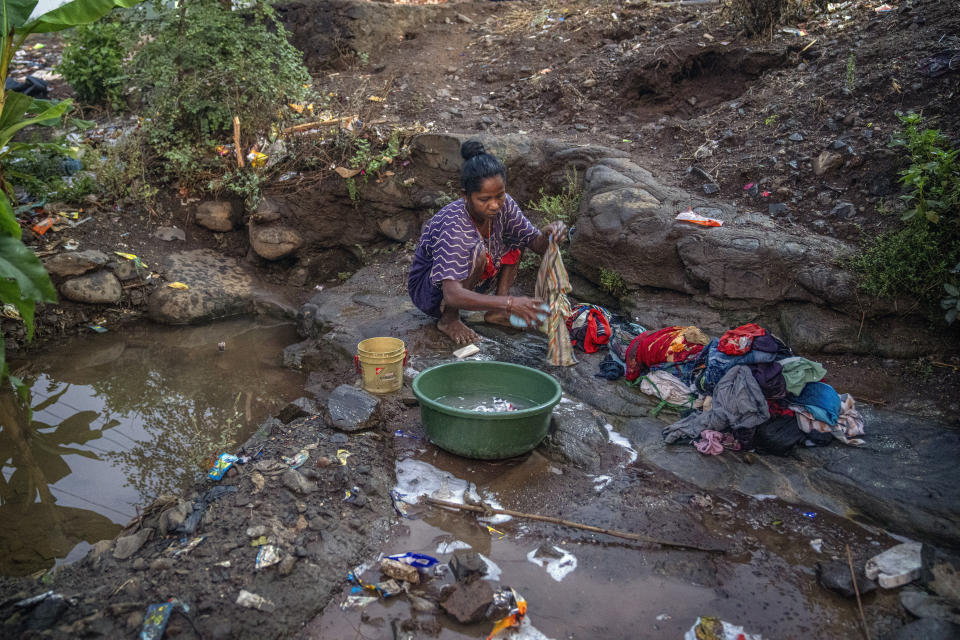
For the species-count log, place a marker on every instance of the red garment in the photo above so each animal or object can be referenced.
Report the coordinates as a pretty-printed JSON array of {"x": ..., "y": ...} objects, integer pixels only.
[
  {"x": 511, "y": 257},
  {"x": 777, "y": 409},
  {"x": 654, "y": 347},
  {"x": 490, "y": 270},
  {"x": 736, "y": 342}
]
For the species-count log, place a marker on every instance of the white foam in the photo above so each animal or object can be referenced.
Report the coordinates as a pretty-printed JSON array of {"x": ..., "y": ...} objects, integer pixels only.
[
  {"x": 450, "y": 547},
  {"x": 764, "y": 496},
  {"x": 620, "y": 441},
  {"x": 600, "y": 482},
  {"x": 493, "y": 570},
  {"x": 557, "y": 568},
  {"x": 526, "y": 631},
  {"x": 416, "y": 478}
]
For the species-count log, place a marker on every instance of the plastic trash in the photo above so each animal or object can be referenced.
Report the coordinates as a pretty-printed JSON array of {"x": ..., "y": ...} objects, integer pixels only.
[
  {"x": 695, "y": 218},
  {"x": 97, "y": 328},
  {"x": 497, "y": 405},
  {"x": 178, "y": 285},
  {"x": 253, "y": 601},
  {"x": 257, "y": 159},
  {"x": 129, "y": 256},
  {"x": 10, "y": 311},
  {"x": 295, "y": 462},
  {"x": 418, "y": 560},
  {"x": 43, "y": 226},
  {"x": 342, "y": 455},
  {"x": 504, "y": 599},
  {"x": 268, "y": 556},
  {"x": 32, "y": 86},
  {"x": 157, "y": 617},
  {"x": 709, "y": 628},
  {"x": 220, "y": 467},
  {"x": 400, "y": 433},
  {"x": 398, "y": 504},
  {"x": 356, "y": 602},
  {"x": 496, "y": 532},
  {"x": 190, "y": 546},
  {"x": 884, "y": 8}
]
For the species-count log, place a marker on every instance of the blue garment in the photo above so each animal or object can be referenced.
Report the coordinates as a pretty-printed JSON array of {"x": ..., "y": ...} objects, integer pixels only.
[
  {"x": 719, "y": 363},
  {"x": 821, "y": 400}
]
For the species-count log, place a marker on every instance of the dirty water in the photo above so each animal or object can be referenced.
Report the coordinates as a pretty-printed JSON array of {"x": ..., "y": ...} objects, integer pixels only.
[
  {"x": 121, "y": 418},
  {"x": 579, "y": 585}
]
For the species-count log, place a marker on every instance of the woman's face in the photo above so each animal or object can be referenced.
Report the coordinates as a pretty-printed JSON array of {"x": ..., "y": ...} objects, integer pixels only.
[{"x": 483, "y": 205}]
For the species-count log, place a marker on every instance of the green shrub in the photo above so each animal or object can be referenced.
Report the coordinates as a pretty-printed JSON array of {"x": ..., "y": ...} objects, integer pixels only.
[
  {"x": 200, "y": 66},
  {"x": 612, "y": 282},
  {"x": 93, "y": 62},
  {"x": 564, "y": 205},
  {"x": 917, "y": 259},
  {"x": 121, "y": 169}
]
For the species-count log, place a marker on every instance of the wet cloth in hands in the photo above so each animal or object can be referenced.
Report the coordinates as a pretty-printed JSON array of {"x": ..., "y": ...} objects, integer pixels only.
[
  {"x": 799, "y": 371},
  {"x": 738, "y": 403},
  {"x": 553, "y": 285},
  {"x": 821, "y": 401}
]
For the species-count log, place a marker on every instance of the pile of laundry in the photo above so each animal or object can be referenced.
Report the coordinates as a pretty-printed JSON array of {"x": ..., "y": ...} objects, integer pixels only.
[{"x": 745, "y": 390}]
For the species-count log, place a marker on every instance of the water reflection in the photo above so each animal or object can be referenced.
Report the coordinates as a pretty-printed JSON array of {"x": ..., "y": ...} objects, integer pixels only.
[{"x": 113, "y": 421}]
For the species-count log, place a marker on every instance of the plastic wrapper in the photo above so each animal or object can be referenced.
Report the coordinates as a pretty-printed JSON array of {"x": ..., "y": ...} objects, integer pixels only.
[
  {"x": 221, "y": 466},
  {"x": 268, "y": 556},
  {"x": 418, "y": 560},
  {"x": 507, "y": 599},
  {"x": 696, "y": 218},
  {"x": 295, "y": 462},
  {"x": 709, "y": 628},
  {"x": 156, "y": 619}
]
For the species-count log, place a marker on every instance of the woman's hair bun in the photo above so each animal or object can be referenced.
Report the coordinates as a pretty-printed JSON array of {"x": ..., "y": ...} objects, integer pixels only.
[{"x": 471, "y": 149}]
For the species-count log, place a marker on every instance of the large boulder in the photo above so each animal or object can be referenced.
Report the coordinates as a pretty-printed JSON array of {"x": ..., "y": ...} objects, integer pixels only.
[
  {"x": 101, "y": 287},
  {"x": 217, "y": 215},
  {"x": 218, "y": 288},
  {"x": 75, "y": 263},
  {"x": 274, "y": 241}
]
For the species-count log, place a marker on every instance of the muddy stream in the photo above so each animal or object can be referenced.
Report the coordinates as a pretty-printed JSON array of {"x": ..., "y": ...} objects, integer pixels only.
[{"x": 121, "y": 418}]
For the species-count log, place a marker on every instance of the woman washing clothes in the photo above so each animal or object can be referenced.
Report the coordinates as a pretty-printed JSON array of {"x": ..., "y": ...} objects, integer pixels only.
[{"x": 467, "y": 256}]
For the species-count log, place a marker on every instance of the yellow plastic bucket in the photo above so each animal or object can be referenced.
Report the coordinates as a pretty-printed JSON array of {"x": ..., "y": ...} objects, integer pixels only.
[{"x": 380, "y": 363}]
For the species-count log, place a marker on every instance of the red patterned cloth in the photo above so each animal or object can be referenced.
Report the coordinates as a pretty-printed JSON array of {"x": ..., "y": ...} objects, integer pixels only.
[
  {"x": 672, "y": 344},
  {"x": 736, "y": 342}
]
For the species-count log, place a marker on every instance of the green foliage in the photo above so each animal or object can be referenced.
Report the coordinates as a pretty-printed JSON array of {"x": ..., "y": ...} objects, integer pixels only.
[
  {"x": 932, "y": 179},
  {"x": 93, "y": 62},
  {"x": 851, "y": 72},
  {"x": 200, "y": 66},
  {"x": 23, "y": 280},
  {"x": 564, "y": 205},
  {"x": 951, "y": 303},
  {"x": 245, "y": 183},
  {"x": 352, "y": 190},
  {"x": 771, "y": 120},
  {"x": 612, "y": 282},
  {"x": 121, "y": 169},
  {"x": 917, "y": 259}
]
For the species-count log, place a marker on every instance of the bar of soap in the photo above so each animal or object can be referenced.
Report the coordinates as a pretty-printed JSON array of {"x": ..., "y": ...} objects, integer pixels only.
[{"x": 466, "y": 351}]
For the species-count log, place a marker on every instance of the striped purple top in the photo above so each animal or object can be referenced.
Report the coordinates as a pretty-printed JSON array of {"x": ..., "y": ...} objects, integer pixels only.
[{"x": 450, "y": 240}]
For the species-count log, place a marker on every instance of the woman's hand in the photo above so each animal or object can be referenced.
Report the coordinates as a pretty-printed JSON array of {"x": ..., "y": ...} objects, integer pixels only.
[
  {"x": 557, "y": 229},
  {"x": 528, "y": 309}
]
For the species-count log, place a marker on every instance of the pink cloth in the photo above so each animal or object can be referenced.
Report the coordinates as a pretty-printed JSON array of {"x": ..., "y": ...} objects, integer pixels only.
[{"x": 712, "y": 443}]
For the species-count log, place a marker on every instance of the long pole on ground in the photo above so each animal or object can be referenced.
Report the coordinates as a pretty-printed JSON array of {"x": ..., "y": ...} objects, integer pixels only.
[{"x": 485, "y": 510}]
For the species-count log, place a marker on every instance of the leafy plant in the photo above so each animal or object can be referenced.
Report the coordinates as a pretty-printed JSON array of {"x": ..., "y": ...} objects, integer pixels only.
[
  {"x": 203, "y": 64},
  {"x": 564, "y": 205},
  {"x": 121, "y": 169},
  {"x": 612, "y": 282},
  {"x": 917, "y": 258},
  {"x": 23, "y": 280},
  {"x": 851, "y": 72},
  {"x": 93, "y": 61},
  {"x": 771, "y": 120}
]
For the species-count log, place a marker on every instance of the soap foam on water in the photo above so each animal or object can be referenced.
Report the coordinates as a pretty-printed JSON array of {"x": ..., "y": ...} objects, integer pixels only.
[
  {"x": 449, "y": 547},
  {"x": 557, "y": 568},
  {"x": 416, "y": 478},
  {"x": 620, "y": 441}
]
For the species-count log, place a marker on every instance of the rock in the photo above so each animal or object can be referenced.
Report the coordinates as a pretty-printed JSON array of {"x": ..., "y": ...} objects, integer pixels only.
[
  {"x": 576, "y": 436},
  {"x": 139, "y": 564},
  {"x": 399, "y": 571},
  {"x": 219, "y": 288},
  {"x": 296, "y": 482},
  {"x": 298, "y": 277},
  {"x": 466, "y": 564},
  {"x": 896, "y": 566},
  {"x": 169, "y": 234},
  {"x": 101, "y": 287},
  {"x": 126, "y": 270},
  {"x": 161, "y": 564},
  {"x": 590, "y": 82},
  {"x": 826, "y": 162},
  {"x": 924, "y": 605},
  {"x": 47, "y": 612},
  {"x": 75, "y": 263},
  {"x": 926, "y": 629},
  {"x": 778, "y": 209},
  {"x": 275, "y": 241},
  {"x": 398, "y": 228},
  {"x": 352, "y": 409},
  {"x": 216, "y": 215},
  {"x": 420, "y": 604},
  {"x": 835, "y": 576},
  {"x": 711, "y": 188},
  {"x": 796, "y": 137},
  {"x": 287, "y": 565},
  {"x": 464, "y": 19},
  {"x": 253, "y": 601},
  {"x": 269, "y": 210},
  {"x": 468, "y": 601},
  {"x": 844, "y": 210},
  {"x": 257, "y": 531},
  {"x": 940, "y": 572},
  {"x": 134, "y": 620},
  {"x": 172, "y": 518},
  {"x": 126, "y": 546},
  {"x": 298, "y": 408}
]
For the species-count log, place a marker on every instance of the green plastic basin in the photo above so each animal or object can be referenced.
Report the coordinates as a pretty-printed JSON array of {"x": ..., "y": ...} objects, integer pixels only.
[{"x": 475, "y": 434}]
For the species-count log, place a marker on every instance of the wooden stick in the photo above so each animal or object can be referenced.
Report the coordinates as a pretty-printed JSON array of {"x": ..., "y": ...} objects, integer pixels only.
[
  {"x": 319, "y": 123},
  {"x": 236, "y": 141},
  {"x": 856, "y": 590},
  {"x": 567, "y": 523}
]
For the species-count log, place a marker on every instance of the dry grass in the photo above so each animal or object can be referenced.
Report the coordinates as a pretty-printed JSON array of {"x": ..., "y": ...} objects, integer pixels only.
[{"x": 761, "y": 17}]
